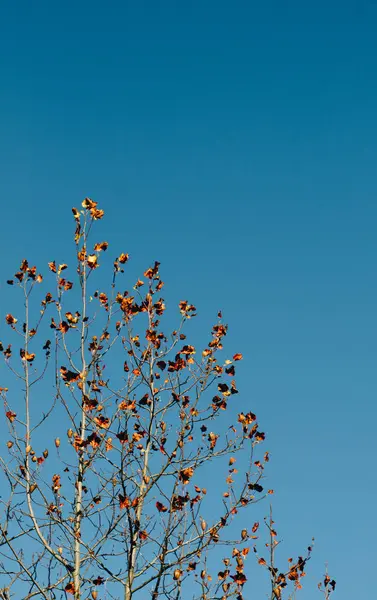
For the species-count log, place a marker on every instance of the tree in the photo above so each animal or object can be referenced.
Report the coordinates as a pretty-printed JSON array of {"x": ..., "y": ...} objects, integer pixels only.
[{"x": 113, "y": 428}]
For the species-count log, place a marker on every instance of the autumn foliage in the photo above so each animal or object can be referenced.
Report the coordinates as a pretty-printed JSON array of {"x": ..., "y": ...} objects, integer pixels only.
[{"x": 113, "y": 423}]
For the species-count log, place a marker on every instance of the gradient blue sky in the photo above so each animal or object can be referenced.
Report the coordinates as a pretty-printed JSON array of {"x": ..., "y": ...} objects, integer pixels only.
[{"x": 236, "y": 143}]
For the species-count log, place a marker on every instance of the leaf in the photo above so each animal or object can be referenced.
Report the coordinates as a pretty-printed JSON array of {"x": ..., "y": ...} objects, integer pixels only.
[
  {"x": 230, "y": 371},
  {"x": 92, "y": 261},
  {"x": 102, "y": 421},
  {"x": 88, "y": 203},
  {"x": 224, "y": 389},
  {"x": 143, "y": 535},
  {"x": 96, "y": 213},
  {"x": 72, "y": 319},
  {"x": 101, "y": 246},
  {"x": 68, "y": 376},
  {"x": 246, "y": 419},
  {"x": 187, "y": 349},
  {"x": 186, "y": 309},
  {"x": 256, "y": 487},
  {"x": 212, "y": 438},
  {"x": 122, "y": 437},
  {"x": 223, "y": 575},
  {"x": 238, "y": 356},
  {"x": 239, "y": 578},
  {"x": 124, "y": 501},
  {"x": 56, "y": 484},
  {"x": 127, "y": 405},
  {"x": 185, "y": 475},
  {"x": 160, "y": 507},
  {"x": 70, "y": 588},
  {"x": 10, "y": 415},
  {"x": 152, "y": 271},
  {"x": 10, "y": 319},
  {"x": 89, "y": 403},
  {"x": 93, "y": 440},
  {"x": 26, "y": 356},
  {"x": 66, "y": 285}
]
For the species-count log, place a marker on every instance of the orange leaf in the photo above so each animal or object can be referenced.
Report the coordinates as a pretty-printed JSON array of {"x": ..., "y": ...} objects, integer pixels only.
[
  {"x": 11, "y": 415},
  {"x": 10, "y": 319},
  {"x": 88, "y": 203},
  {"x": 143, "y": 535},
  {"x": 101, "y": 246},
  {"x": 123, "y": 258},
  {"x": 160, "y": 507},
  {"x": 124, "y": 501},
  {"x": 92, "y": 261},
  {"x": 185, "y": 475},
  {"x": 70, "y": 588}
]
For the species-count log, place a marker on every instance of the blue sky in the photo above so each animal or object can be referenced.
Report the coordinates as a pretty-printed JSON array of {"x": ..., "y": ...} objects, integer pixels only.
[{"x": 235, "y": 143}]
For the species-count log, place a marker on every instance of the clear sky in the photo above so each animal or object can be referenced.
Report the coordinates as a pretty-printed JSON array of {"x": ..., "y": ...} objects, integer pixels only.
[{"x": 236, "y": 142}]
